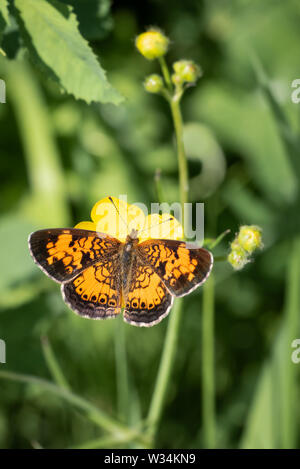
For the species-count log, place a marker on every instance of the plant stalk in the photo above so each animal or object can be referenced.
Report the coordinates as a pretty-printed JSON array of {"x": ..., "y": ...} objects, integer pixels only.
[
  {"x": 169, "y": 349},
  {"x": 182, "y": 160},
  {"x": 165, "y": 72},
  {"x": 93, "y": 413},
  {"x": 122, "y": 370},
  {"x": 164, "y": 372},
  {"x": 208, "y": 382}
]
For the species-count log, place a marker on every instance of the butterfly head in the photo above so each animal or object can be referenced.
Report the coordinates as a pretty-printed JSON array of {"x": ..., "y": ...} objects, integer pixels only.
[
  {"x": 133, "y": 235},
  {"x": 131, "y": 241}
]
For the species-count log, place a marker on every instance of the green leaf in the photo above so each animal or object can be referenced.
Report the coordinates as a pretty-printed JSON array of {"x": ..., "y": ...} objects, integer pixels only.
[{"x": 53, "y": 30}]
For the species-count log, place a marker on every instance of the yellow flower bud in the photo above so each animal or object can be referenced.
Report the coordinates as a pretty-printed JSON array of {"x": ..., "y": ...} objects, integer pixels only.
[
  {"x": 176, "y": 79},
  {"x": 238, "y": 258},
  {"x": 249, "y": 238},
  {"x": 186, "y": 71},
  {"x": 153, "y": 83},
  {"x": 235, "y": 244},
  {"x": 152, "y": 44}
]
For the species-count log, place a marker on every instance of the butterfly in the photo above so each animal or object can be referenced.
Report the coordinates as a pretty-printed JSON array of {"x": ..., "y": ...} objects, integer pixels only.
[{"x": 100, "y": 275}]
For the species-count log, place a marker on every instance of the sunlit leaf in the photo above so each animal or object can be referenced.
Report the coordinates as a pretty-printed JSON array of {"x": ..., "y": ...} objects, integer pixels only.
[{"x": 53, "y": 29}]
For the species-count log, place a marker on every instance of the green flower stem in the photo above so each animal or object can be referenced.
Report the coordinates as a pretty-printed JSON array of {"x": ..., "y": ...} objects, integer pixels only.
[
  {"x": 182, "y": 161},
  {"x": 53, "y": 364},
  {"x": 174, "y": 102},
  {"x": 121, "y": 370},
  {"x": 164, "y": 371},
  {"x": 212, "y": 243},
  {"x": 165, "y": 367},
  {"x": 208, "y": 383},
  {"x": 165, "y": 72},
  {"x": 94, "y": 414}
]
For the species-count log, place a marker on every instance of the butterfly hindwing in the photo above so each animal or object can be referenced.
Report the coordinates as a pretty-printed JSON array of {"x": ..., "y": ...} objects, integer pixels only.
[
  {"x": 147, "y": 300},
  {"x": 181, "y": 267},
  {"x": 95, "y": 293},
  {"x": 63, "y": 253}
]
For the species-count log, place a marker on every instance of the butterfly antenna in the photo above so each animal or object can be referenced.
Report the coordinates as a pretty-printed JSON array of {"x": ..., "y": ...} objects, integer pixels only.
[
  {"x": 125, "y": 223},
  {"x": 160, "y": 223}
]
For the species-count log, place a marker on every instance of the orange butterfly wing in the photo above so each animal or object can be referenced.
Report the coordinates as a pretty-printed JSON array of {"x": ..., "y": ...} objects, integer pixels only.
[
  {"x": 96, "y": 292},
  {"x": 180, "y": 266},
  {"x": 89, "y": 265},
  {"x": 64, "y": 253},
  {"x": 86, "y": 263},
  {"x": 147, "y": 300}
]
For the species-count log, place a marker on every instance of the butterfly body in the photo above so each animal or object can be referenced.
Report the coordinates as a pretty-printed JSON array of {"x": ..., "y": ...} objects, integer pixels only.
[
  {"x": 127, "y": 260},
  {"x": 100, "y": 275}
]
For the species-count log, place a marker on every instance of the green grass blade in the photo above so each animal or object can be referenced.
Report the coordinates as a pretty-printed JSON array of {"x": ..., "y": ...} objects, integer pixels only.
[
  {"x": 121, "y": 370},
  {"x": 271, "y": 421},
  {"x": 165, "y": 367},
  {"x": 96, "y": 415},
  {"x": 53, "y": 364}
]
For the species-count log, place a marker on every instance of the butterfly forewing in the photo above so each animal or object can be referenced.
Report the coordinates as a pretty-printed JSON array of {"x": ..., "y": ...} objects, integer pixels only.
[
  {"x": 64, "y": 253},
  {"x": 181, "y": 268}
]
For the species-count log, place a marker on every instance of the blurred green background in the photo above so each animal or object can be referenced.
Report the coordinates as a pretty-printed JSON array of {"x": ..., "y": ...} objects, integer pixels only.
[{"x": 59, "y": 155}]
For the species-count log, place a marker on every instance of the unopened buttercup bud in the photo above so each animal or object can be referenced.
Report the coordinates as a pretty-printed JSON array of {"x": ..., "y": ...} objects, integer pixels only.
[
  {"x": 153, "y": 83},
  {"x": 249, "y": 238},
  {"x": 176, "y": 79},
  {"x": 238, "y": 258},
  {"x": 152, "y": 44},
  {"x": 186, "y": 71},
  {"x": 235, "y": 244}
]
